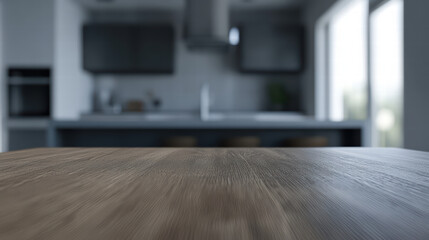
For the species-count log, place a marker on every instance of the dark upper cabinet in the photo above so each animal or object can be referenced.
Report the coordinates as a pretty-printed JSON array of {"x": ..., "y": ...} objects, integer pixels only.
[
  {"x": 121, "y": 48},
  {"x": 271, "y": 49}
]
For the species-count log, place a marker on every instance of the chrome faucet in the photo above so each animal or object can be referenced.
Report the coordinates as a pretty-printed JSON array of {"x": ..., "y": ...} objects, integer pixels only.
[{"x": 205, "y": 102}]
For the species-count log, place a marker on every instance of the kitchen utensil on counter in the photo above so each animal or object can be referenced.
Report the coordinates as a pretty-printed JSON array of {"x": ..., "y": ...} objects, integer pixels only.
[
  {"x": 106, "y": 99},
  {"x": 154, "y": 101},
  {"x": 106, "y": 102}
]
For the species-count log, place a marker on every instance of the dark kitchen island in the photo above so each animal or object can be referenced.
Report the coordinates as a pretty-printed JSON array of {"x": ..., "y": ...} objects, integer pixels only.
[{"x": 84, "y": 133}]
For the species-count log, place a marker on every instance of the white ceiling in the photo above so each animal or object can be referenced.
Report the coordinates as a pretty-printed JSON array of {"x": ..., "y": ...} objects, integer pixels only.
[{"x": 178, "y": 4}]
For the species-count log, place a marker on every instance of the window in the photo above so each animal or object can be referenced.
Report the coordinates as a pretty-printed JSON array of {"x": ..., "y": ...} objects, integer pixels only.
[
  {"x": 347, "y": 58},
  {"x": 359, "y": 67},
  {"x": 341, "y": 62},
  {"x": 387, "y": 73}
]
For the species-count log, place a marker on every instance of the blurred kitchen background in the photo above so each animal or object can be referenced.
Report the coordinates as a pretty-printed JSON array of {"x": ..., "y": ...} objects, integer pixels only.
[{"x": 213, "y": 73}]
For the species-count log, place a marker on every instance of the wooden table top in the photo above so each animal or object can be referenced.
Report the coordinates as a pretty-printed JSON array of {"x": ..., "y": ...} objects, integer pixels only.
[{"x": 332, "y": 193}]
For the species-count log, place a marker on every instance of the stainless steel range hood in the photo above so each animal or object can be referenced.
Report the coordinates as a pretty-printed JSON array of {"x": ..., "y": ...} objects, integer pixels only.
[{"x": 207, "y": 23}]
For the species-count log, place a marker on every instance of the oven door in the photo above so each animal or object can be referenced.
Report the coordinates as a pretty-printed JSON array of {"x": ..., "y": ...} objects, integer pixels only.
[{"x": 29, "y": 100}]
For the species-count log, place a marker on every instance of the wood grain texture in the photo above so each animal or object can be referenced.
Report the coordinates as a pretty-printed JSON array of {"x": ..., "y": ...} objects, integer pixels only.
[{"x": 214, "y": 194}]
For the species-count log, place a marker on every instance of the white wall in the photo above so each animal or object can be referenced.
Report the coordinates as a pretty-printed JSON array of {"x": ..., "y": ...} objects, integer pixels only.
[
  {"x": 28, "y": 28},
  {"x": 416, "y": 74},
  {"x": 72, "y": 86}
]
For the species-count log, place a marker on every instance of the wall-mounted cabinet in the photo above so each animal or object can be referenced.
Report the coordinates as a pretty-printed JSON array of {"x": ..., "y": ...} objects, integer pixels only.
[
  {"x": 126, "y": 48},
  {"x": 271, "y": 48}
]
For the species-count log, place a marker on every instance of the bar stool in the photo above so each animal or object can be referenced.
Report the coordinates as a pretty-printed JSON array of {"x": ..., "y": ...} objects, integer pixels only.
[
  {"x": 305, "y": 142},
  {"x": 180, "y": 142},
  {"x": 242, "y": 142}
]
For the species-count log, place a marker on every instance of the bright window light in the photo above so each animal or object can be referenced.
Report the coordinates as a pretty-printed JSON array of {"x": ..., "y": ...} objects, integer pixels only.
[
  {"x": 348, "y": 62},
  {"x": 387, "y": 72}
]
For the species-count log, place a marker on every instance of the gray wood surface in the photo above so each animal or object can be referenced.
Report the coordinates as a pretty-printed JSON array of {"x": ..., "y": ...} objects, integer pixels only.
[{"x": 330, "y": 193}]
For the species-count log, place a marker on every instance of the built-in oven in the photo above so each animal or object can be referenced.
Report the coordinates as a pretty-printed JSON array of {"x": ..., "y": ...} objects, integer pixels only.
[{"x": 29, "y": 92}]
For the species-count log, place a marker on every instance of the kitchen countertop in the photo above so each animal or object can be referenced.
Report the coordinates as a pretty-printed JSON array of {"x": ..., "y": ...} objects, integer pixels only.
[
  {"x": 332, "y": 193},
  {"x": 198, "y": 124}
]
